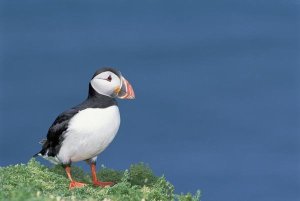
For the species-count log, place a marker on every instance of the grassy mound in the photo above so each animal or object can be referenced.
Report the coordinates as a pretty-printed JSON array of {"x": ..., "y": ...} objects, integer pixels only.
[{"x": 33, "y": 181}]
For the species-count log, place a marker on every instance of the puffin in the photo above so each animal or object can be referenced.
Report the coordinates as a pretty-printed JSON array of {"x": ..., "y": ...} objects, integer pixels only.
[{"x": 82, "y": 132}]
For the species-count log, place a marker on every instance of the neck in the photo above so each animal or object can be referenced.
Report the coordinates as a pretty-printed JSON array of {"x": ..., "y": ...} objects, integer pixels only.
[{"x": 100, "y": 99}]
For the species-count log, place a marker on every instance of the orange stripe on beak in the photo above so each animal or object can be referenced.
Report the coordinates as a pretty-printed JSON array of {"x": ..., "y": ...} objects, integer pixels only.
[{"x": 126, "y": 90}]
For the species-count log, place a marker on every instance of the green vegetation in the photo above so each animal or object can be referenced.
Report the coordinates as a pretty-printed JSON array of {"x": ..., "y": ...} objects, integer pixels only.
[{"x": 35, "y": 182}]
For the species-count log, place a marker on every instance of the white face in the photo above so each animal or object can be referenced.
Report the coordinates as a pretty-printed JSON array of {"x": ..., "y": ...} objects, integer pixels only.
[{"x": 106, "y": 83}]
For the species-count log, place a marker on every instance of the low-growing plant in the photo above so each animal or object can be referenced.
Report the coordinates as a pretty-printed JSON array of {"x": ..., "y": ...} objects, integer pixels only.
[{"x": 36, "y": 182}]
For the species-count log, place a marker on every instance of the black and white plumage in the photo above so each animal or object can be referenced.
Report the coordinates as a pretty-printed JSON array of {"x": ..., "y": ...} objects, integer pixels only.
[{"x": 84, "y": 131}]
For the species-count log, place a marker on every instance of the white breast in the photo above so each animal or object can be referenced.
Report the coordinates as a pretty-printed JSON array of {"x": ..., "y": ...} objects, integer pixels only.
[{"x": 89, "y": 132}]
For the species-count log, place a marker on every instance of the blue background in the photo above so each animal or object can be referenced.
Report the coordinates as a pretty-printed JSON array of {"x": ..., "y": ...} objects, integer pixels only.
[{"x": 217, "y": 86}]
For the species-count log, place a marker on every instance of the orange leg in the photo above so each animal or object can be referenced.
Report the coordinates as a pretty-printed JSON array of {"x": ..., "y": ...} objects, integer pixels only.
[
  {"x": 73, "y": 184},
  {"x": 96, "y": 182}
]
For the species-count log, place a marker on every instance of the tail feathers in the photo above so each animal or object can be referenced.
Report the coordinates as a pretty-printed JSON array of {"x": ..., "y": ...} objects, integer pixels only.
[
  {"x": 48, "y": 152},
  {"x": 41, "y": 153},
  {"x": 43, "y": 141},
  {"x": 37, "y": 154},
  {"x": 52, "y": 159}
]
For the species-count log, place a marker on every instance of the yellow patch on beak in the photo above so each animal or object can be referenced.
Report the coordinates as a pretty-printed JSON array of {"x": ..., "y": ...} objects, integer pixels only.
[{"x": 117, "y": 90}]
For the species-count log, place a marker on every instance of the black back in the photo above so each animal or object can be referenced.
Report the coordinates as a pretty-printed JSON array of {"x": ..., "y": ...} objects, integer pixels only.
[{"x": 56, "y": 132}]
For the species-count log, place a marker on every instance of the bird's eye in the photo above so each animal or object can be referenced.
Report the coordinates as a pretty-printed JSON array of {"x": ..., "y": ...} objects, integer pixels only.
[{"x": 109, "y": 78}]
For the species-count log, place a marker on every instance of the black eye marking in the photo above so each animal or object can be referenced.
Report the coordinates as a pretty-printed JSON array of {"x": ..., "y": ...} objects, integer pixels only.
[{"x": 109, "y": 78}]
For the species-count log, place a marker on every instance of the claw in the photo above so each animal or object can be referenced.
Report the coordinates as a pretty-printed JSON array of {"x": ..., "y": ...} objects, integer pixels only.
[
  {"x": 103, "y": 184},
  {"x": 75, "y": 184},
  {"x": 96, "y": 182}
]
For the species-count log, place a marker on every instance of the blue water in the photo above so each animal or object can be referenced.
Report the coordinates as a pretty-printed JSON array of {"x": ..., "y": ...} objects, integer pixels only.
[{"x": 217, "y": 86}]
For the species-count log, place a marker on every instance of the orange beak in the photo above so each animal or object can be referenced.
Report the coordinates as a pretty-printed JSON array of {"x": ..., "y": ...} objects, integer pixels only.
[{"x": 125, "y": 91}]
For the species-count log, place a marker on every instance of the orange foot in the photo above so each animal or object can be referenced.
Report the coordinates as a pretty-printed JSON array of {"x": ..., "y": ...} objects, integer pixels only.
[
  {"x": 103, "y": 184},
  {"x": 75, "y": 184}
]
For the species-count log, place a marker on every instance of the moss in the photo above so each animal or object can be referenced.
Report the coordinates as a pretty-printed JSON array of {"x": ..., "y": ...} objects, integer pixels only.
[
  {"x": 33, "y": 181},
  {"x": 141, "y": 174}
]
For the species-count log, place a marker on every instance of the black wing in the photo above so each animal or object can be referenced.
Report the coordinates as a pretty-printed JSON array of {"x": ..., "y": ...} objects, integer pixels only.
[
  {"x": 56, "y": 131},
  {"x": 55, "y": 134}
]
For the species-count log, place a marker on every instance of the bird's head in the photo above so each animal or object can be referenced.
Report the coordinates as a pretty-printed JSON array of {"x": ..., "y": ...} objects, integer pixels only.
[{"x": 110, "y": 82}]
